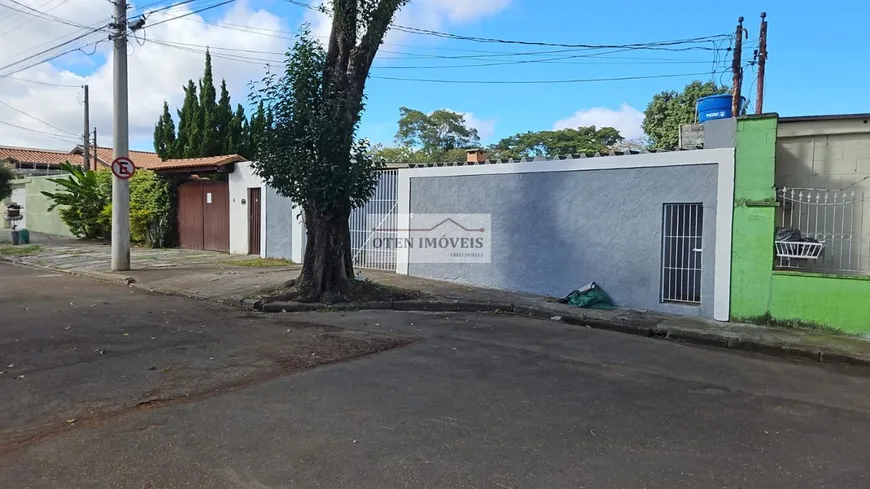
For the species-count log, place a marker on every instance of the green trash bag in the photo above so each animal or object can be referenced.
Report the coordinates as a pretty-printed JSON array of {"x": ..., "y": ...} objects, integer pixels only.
[{"x": 592, "y": 295}]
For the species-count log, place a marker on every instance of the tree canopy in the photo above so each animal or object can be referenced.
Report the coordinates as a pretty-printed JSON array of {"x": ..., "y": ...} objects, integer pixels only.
[
  {"x": 207, "y": 125},
  {"x": 586, "y": 139},
  {"x": 435, "y": 134},
  {"x": 670, "y": 109}
]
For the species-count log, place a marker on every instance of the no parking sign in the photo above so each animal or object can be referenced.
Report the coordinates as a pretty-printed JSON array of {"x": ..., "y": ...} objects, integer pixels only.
[{"x": 123, "y": 167}]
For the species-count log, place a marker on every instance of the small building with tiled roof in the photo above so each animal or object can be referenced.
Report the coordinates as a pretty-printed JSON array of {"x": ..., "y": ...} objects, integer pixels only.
[
  {"x": 104, "y": 157},
  {"x": 221, "y": 164},
  {"x": 34, "y": 161}
]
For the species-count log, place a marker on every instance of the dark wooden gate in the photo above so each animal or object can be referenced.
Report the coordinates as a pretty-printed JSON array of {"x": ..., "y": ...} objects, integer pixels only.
[
  {"x": 204, "y": 215},
  {"x": 254, "y": 224}
]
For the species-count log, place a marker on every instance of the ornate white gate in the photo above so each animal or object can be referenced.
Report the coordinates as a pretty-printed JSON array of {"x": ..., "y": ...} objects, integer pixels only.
[{"x": 382, "y": 207}]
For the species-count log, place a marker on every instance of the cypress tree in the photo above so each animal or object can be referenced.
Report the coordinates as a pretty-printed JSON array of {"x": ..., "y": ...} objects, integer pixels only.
[
  {"x": 223, "y": 120},
  {"x": 208, "y": 118},
  {"x": 187, "y": 130},
  {"x": 237, "y": 140},
  {"x": 164, "y": 134}
]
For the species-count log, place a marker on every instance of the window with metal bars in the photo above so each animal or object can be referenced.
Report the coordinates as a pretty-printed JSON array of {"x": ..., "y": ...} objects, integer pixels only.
[{"x": 682, "y": 228}]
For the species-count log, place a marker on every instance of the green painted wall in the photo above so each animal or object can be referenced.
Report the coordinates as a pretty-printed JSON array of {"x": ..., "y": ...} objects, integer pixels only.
[
  {"x": 836, "y": 301},
  {"x": 757, "y": 292},
  {"x": 37, "y": 217},
  {"x": 754, "y": 197}
]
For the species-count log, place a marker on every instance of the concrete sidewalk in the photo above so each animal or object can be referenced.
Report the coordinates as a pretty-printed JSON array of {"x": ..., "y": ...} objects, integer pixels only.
[{"x": 218, "y": 277}]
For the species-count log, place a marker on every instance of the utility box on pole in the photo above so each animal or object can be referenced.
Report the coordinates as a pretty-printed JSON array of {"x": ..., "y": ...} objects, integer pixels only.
[{"x": 120, "y": 133}]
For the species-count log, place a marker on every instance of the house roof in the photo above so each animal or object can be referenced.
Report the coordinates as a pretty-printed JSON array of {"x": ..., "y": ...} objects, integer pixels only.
[
  {"x": 142, "y": 159},
  {"x": 195, "y": 163},
  {"x": 832, "y": 117},
  {"x": 37, "y": 156}
]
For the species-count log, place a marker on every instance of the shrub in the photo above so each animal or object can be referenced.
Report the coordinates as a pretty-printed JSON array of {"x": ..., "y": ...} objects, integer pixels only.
[
  {"x": 87, "y": 201},
  {"x": 6, "y": 177},
  {"x": 82, "y": 198}
]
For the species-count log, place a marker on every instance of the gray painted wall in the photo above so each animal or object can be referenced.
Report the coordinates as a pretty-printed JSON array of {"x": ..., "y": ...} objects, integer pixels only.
[
  {"x": 720, "y": 133},
  {"x": 279, "y": 219},
  {"x": 557, "y": 231}
]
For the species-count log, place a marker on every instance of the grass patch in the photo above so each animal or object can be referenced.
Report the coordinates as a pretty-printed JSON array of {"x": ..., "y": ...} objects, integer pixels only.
[
  {"x": 19, "y": 250},
  {"x": 259, "y": 262},
  {"x": 768, "y": 320}
]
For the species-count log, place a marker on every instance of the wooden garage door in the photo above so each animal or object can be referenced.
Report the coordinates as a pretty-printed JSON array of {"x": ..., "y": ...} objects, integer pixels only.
[{"x": 204, "y": 215}]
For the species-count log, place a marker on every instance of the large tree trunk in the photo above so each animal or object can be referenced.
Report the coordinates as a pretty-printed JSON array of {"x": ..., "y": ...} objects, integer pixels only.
[{"x": 327, "y": 269}]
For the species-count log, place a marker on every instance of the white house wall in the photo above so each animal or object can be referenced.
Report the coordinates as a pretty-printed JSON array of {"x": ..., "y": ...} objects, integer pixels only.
[{"x": 240, "y": 180}]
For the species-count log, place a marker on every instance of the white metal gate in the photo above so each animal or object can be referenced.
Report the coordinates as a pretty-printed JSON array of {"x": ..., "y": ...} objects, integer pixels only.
[
  {"x": 682, "y": 228},
  {"x": 368, "y": 240}
]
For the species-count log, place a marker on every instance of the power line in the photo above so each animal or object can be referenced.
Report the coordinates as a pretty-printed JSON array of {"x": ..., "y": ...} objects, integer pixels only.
[
  {"x": 656, "y": 45},
  {"x": 41, "y": 82},
  {"x": 59, "y": 137},
  {"x": 15, "y": 26},
  {"x": 598, "y": 56},
  {"x": 557, "y": 60},
  {"x": 535, "y": 82},
  {"x": 653, "y": 46},
  {"x": 18, "y": 70},
  {"x": 43, "y": 15},
  {"x": 46, "y": 51},
  {"x": 38, "y": 119},
  {"x": 182, "y": 2},
  {"x": 219, "y": 4}
]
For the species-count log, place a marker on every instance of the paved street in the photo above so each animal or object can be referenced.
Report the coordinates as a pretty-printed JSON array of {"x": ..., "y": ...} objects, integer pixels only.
[{"x": 109, "y": 386}]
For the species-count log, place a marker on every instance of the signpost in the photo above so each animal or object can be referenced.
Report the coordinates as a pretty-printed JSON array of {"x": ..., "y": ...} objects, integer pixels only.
[{"x": 123, "y": 167}]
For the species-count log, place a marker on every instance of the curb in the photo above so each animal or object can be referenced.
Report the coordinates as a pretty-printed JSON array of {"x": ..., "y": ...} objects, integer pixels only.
[
  {"x": 637, "y": 326},
  {"x": 650, "y": 328}
]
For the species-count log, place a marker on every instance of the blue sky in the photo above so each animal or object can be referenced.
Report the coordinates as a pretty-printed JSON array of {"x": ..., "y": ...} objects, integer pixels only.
[{"x": 819, "y": 62}]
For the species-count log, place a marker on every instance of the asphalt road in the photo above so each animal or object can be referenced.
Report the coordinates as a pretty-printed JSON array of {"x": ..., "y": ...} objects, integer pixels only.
[{"x": 478, "y": 401}]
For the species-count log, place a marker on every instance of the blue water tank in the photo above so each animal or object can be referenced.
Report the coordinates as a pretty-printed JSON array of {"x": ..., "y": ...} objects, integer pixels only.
[{"x": 714, "y": 107}]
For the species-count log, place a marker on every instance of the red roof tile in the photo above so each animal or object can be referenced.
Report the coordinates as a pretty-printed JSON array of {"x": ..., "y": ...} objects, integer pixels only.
[
  {"x": 210, "y": 161},
  {"x": 37, "y": 156}
]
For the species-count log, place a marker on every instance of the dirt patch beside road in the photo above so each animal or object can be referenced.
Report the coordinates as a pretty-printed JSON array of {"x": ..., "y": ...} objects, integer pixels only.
[{"x": 77, "y": 353}]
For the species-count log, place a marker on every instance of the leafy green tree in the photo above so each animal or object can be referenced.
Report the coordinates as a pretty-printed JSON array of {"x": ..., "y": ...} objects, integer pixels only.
[
  {"x": 188, "y": 139},
  {"x": 669, "y": 109},
  {"x": 6, "y": 177},
  {"x": 164, "y": 134},
  {"x": 310, "y": 153},
  {"x": 435, "y": 134},
  {"x": 586, "y": 139}
]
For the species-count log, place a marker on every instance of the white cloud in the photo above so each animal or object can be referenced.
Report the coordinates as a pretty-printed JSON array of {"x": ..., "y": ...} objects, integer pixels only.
[
  {"x": 156, "y": 72},
  {"x": 424, "y": 14},
  {"x": 485, "y": 127},
  {"x": 627, "y": 120}
]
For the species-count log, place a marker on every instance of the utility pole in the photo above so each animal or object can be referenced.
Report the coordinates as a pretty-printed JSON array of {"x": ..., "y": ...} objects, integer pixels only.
[
  {"x": 87, "y": 151},
  {"x": 120, "y": 133},
  {"x": 737, "y": 70},
  {"x": 762, "y": 60}
]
